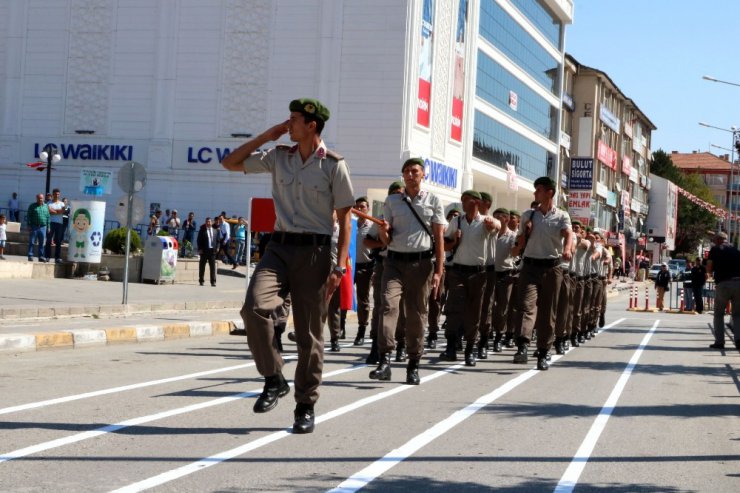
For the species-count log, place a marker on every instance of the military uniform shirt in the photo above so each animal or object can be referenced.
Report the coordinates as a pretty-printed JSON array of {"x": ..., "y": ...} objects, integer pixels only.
[
  {"x": 545, "y": 241},
  {"x": 579, "y": 260},
  {"x": 503, "y": 259},
  {"x": 407, "y": 234},
  {"x": 594, "y": 264},
  {"x": 473, "y": 245},
  {"x": 305, "y": 194},
  {"x": 362, "y": 254}
]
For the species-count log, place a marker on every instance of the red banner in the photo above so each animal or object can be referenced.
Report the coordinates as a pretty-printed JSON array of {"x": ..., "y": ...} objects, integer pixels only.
[
  {"x": 607, "y": 155},
  {"x": 457, "y": 114},
  {"x": 425, "y": 93},
  {"x": 263, "y": 216}
]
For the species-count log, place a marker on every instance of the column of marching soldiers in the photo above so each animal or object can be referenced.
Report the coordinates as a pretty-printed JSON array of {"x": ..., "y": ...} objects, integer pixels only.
[{"x": 479, "y": 295}]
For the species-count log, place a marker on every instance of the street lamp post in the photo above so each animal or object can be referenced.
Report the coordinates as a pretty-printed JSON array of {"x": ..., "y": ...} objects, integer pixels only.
[
  {"x": 731, "y": 186},
  {"x": 51, "y": 156},
  {"x": 712, "y": 79}
]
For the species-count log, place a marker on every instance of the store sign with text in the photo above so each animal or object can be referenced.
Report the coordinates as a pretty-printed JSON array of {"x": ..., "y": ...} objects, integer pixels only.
[
  {"x": 627, "y": 165},
  {"x": 581, "y": 174},
  {"x": 607, "y": 155}
]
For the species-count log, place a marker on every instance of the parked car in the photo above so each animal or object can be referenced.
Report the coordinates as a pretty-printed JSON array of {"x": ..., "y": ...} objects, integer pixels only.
[{"x": 653, "y": 272}]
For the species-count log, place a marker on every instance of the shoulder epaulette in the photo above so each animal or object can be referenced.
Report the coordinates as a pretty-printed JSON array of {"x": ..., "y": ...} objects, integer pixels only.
[{"x": 334, "y": 155}]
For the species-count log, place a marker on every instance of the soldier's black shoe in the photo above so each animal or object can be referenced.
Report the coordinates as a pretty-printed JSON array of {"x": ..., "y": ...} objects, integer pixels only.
[
  {"x": 383, "y": 371},
  {"x": 275, "y": 387},
  {"x": 373, "y": 358},
  {"x": 717, "y": 345},
  {"x": 587, "y": 335},
  {"x": 469, "y": 357},
  {"x": 412, "y": 372},
  {"x": 335, "y": 346},
  {"x": 401, "y": 354},
  {"x": 602, "y": 322},
  {"x": 304, "y": 419},
  {"x": 448, "y": 355},
  {"x": 559, "y": 349},
  {"x": 482, "y": 353},
  {"x": 574, "y": 340},
  {"x": 542, "y": 364},
  {"x": 431, "y": 342},
  {"x": 509, "y": 341},
  {"x": 291, "y": 336},
  {"x": 522, "y": 355},
  {"x": 360, "y": 338},
  {"x": 566, "y": 344}
]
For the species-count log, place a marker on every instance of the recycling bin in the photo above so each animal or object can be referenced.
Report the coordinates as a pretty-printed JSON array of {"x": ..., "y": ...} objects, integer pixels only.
[{"x": 160, "y": 259}]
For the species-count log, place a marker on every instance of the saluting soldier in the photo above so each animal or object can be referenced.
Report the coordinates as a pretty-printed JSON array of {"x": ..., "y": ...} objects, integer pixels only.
[
  {"x": 309, "y": 182},
  {"x": 413, "y": 225},
  {"x": 468, "y": 236},
  {"x": 549, "y": 238}
]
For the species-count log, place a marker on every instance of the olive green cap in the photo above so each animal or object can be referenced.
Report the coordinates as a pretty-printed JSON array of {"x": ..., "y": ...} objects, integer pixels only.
[
  {"x": 411, "y": 162},
  {"x": 310, "y": 107},
  {"x": 472, "y": 193},
  {"x": 547, "y": 182},
  {"x": 576, "y": 223},
  {"x": 512, "y": 212},
  {"x": 486, "y": 196},
  {"x": 501, "y": 210},
  {"x": 396, "y": 185}
]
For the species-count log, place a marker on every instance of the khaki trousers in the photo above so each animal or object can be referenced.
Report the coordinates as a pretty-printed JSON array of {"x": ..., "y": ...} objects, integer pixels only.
[
  {"x": 376, "y": 323},
  {"x": 565, "y": 304},
  {"x": 577, "y": 305},
  {"x": 585, "y": 311},
  {"x": 502, "y": 302},
  {"x": 487, "y": 305},
  {"x": 539, "y": 288},
  {"x": 598, "y": 291},
  {"x": 463, "y": 308},
  {"x": 410, "y": 282},
  {"x": 300, "y": 271}
]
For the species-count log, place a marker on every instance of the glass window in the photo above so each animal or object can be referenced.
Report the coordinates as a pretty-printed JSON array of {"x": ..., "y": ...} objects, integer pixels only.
[
  {"x": 494, "y": 84},
  {"x": 498, "y": 145},
  {"x": 546, "y": 23},
  {"x": 508, "y": 36}
]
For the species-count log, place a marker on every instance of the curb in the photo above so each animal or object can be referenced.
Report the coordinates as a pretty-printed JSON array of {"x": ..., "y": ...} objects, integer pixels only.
[{"x": 79, "y": 338}]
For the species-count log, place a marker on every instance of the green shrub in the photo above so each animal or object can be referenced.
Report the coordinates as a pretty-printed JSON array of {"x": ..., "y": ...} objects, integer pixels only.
[
  {"x": 115, "y": 241},
  {"x": 162, "y": 232}
]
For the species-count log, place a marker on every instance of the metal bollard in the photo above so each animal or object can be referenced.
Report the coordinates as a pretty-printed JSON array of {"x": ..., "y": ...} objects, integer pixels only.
[
  {"x": 680, "y": 293},
  {"x": 647, "y": 298}
]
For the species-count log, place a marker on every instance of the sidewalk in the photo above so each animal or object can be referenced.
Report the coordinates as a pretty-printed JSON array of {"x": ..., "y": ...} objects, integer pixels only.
[{"x": 68, "y": 313}]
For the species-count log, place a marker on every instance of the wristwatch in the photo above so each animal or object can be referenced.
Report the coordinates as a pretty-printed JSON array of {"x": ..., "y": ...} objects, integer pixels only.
[{"x": 341, "y": 270}]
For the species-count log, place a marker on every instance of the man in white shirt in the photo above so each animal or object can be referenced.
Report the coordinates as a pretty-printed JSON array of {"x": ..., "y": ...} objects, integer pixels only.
[{"x": 56, "y": 226}]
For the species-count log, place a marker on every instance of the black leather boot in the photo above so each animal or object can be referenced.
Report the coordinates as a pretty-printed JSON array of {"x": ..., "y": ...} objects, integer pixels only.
[
  {"x": 432, "y": 341},
  {"x": 542, "y": 363},
  {"x": 373, "y": 358},
  {"x": 304, "y": 419},
  {"x": 574, "y": 340},
  {"x": 470, "y": 355},
  {"x": 483, "y": 349},
  {"x": 401, "y": 352},
  {"x": 450, "y": 352},
  {"x": 335, "y": 346},
  {"x": 497, "y": 343},
  {"x": 275, "y": 387},
  {"x": 522, "y": 354},
  {"x": 509, "y": 341},
  {"x": 360, "y": 338},
  {"x": 559, "y": 349},
  {"x": 383, "y": 371},
  {"x": 412, "y": 372}
]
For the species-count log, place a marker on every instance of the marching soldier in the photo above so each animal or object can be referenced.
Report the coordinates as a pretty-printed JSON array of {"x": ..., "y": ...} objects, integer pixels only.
[
  {"x": 544, "y": 237},
  {"x": 437, "y": 304},
  {"x": 505, "y": 276},
  {"x": 487, "y": 306},
  {"x": 468, "y": 236},
  {"x": 514, "y": 319},
  {"x": 364, "y": 263},
  {"x": 412, "y": 229},
  {"x": 565, "y": 305},
  {"x": 309, "y": 182},
  {"x": 580, "y": 274}
]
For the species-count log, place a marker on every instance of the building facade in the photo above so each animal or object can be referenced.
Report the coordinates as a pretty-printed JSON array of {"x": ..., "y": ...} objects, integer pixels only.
[{"x": 472, "y": 86}]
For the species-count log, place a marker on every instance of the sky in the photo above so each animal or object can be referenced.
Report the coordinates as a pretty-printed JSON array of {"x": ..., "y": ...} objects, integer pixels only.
[{"x": 656, "y": 52}]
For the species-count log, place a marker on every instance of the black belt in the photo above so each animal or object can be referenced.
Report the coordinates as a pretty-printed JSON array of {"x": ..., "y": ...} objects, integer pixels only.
[
  {"x": 490, "y": 268},
  {"x": 541, "y": 262},
  {"x": 503, "y": 273},
  {"x": 594, "y": 276},
  {"x": 364, "y": 265},
  {"x": 582, "y": 278},
  {"x": 409, "y": 256},
  {"x": 300, "y": 239},
  {"x": 469, "y": 269}
]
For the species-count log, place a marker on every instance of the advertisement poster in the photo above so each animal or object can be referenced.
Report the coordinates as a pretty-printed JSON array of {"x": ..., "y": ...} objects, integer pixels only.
[
  {"x": 425, "y": 63},
  {"x": 96, "y": 182},
  {"x": 458, "y": 85},
  {"x": 579, "y": 206},
  {"x": 86, "y": 223},
  {"x": 581, "y": 174}
]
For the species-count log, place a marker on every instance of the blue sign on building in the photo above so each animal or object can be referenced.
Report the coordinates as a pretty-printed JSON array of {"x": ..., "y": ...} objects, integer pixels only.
[
  {"x": 581, "y": 174},
  {"x": 440, "y": 174}
]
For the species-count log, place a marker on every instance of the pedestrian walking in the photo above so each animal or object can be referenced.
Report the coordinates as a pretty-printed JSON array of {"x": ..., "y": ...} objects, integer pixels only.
[
  {"x": 413, "y": 225},
  {"x": 13, "y": 208},
  {"x": 207, "y": 247},
  {"x": 662, "y": 284},
  {"x": 309, "y": 183},
  {"x": 698, "y": 280},
  {"x": 723, "y": 263}
]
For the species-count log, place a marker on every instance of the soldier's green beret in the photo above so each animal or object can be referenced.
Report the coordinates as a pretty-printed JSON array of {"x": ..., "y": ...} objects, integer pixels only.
[
  {"x": 411, "y": 162},
  {"x": 576, "y": 223},
  {"x": 310, "y": 107},
  {"x": 472, "y": 193},
  {"x": 453, "y": 211},
  {"x": 547, "y": 182},
  {"x": 514, "y": 213},
  {"x": 501, "y": 210},
  {"x": 396, "y": 185},
  {"x": 486, "y": 196},
  {"x": 361, "y": 199}
]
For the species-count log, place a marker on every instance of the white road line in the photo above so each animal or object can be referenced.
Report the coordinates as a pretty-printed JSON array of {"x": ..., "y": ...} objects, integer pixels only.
[
  {"x": 213, "y": 460},
  {"x": 570, "y": 478},
  {"x": 363, "y": 477},
  {"x": 79, "y": 437}
]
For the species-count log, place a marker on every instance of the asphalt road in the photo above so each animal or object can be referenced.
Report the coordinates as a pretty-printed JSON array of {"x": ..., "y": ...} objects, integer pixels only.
[{"x": 645, "y": 406}]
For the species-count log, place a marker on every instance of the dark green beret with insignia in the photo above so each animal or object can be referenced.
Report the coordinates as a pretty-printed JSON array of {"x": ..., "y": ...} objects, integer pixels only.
[
  {"x": 486, "y": 196},
  {"x": 547, "y": 182},
  {"x": 310, "y": 107},
  {"x": 411, "y": 162},
  {"x": 396, "y": 185},
  {"x": 501, "y": 210},
  {"x": 472, "y": 193}
]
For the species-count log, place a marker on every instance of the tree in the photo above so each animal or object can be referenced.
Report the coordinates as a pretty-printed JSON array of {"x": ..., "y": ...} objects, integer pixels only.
[{"x": 694, "y": 221}]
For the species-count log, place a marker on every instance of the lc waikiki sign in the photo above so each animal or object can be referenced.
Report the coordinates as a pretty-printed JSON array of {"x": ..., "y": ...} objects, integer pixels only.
[
  {"x": 91, "y": 152},
  {"x": 440, "y": 174}
]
